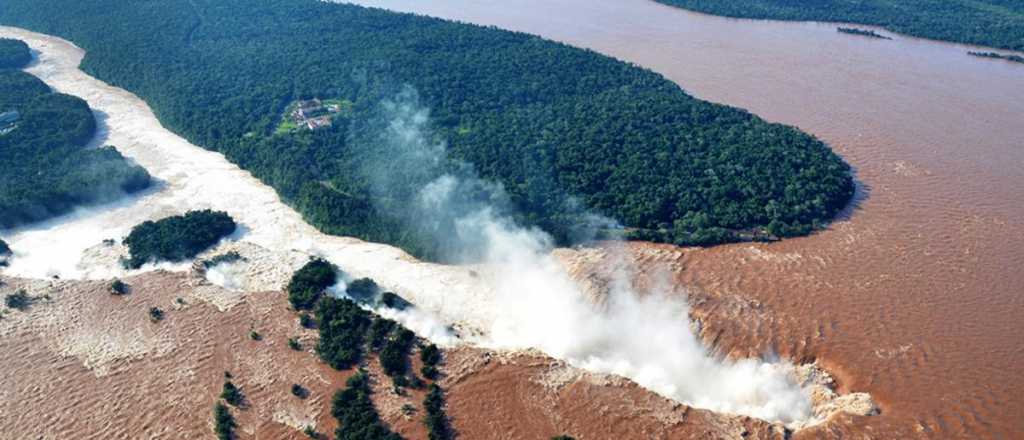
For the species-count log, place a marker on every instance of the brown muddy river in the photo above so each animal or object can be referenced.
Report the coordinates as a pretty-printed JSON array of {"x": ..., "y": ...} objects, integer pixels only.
[{"x": 915, "y": 295}]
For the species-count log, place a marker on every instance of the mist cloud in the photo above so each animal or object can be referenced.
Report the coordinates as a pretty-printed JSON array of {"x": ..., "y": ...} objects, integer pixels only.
[{"x": 643, "y": 335}]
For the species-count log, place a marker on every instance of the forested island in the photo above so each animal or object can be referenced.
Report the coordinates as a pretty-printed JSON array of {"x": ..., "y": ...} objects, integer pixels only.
[
  {"x": 177, "y": 238},
  {"x": 565, "y": 131},
  {"x": 996, "y": 23},
  {"x": 998, "y": 56},
  {"x": 47, "y": 171},
  {"x": 862, "y": 32}
]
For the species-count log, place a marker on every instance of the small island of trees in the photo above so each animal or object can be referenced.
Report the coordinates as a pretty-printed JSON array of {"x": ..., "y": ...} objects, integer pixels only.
[
  {"x": 998, "y": 56},
  {"x": 862, "y": 32},
  {"x": 177, "y": 238},
  {"x": 309, "y": 283}
]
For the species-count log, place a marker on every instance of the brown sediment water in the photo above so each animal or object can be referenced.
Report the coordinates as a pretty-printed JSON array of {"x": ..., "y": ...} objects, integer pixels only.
[{"x": 915, "y": 293}]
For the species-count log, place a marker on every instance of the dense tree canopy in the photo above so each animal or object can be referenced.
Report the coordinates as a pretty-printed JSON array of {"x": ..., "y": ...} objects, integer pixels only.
[
  {"x": 14, "y": 54},
  {"x": 996, "y": 23},
  {"x": 564, "y": 130},
  {"x": 177, "y": 238},
  {"x": 357, "y": 418},
  {"x": 436, "y": 419},
  {"x": 343, "y": 331},
  {"x": 223, "y": 422},
  {"x": 309, "y": 283},
  {"x": 47, "y": 171}
]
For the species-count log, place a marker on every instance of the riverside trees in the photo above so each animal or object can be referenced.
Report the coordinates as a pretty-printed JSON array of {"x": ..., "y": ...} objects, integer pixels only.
[
  {"x": 996, "y": 23},
  {"x": 47, "y": 171}
]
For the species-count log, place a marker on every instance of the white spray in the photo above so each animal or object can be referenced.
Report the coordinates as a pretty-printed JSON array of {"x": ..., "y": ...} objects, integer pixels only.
[{"x": 645, "y": 336}]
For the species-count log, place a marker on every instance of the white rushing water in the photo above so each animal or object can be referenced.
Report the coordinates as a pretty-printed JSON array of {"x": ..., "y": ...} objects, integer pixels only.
[{"x": 522, "y": 298}]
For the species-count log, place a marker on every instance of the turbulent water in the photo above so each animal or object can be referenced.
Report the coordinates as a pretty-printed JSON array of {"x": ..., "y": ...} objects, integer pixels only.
[
  {"x": 521, "y": 297},
  {"x": 914, "y": 295}
]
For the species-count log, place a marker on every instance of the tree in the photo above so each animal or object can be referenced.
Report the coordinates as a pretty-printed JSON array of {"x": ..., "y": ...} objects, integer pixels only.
[
  {"x": 363, "y": 289},
  {"x": 231, "y": 394},
  {"x": 118, "y": 287},
  {"x": 394, "y": 358},
  {"x": 310, "y": 432},
  {"x": 306, "y": 321},
  {"x": 19, "y": 300},
  {"x": 430, "y": 355},
  {"x": 224, "y": 423},
  {"x": 435, "y": 419}
]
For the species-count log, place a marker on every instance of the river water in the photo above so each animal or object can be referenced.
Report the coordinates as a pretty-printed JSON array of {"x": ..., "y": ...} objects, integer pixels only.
[
  {"x": 915, "y": 294},
  {"x": 912, "y": 296}
]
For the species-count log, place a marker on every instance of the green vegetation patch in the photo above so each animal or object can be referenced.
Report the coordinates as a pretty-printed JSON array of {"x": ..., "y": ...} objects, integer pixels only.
[
  {"x": 229, "y": 257},
  {"x": 357, "y": 418},
  {"x": 19, "y": 300},
  {"x": 996, "y": 23},
  {"x": 564, "y": 130},
  {"x": 231, "y": 394},
  {"x": 223, "y": 422},
  {"x": 14, "y": 54},
  {"x": 177, "y": 238},
  {"x": 47, "y": 171},
  {"x": 394, "y": 357},
  {"x": 436, "y": 419},
  {"x": 430, "y": 356},
  {"x": 343, "y": 327},
  {"x": 309, "y": 283}
]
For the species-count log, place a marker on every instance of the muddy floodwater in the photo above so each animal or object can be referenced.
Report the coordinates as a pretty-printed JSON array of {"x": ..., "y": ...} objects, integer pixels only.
[{"x": 916, "y": 295}]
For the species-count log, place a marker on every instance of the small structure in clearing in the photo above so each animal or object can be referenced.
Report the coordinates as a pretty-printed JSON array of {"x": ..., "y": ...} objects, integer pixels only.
[{"x": 312, "y": 114}]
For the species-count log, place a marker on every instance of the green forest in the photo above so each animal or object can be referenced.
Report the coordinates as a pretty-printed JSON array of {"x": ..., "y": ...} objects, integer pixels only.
[
  {"x": 996, "y": 23},
  {"x": 46, "y": 169},
  {"x": 14, "y": 54},
  {"x": 566, "y": 131}
]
